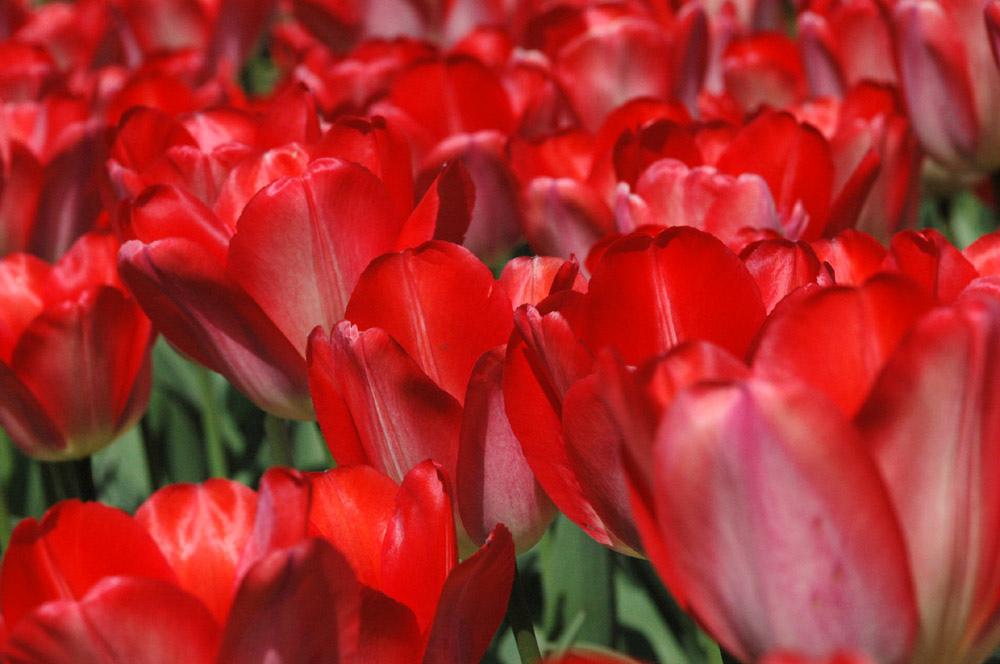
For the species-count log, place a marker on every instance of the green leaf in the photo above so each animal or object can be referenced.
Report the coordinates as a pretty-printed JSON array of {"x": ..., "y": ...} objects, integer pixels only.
[
  {"x": 577, "y": 585},
  {"x": 638, "y": 612},
  {"x": 121, "y": 472}
]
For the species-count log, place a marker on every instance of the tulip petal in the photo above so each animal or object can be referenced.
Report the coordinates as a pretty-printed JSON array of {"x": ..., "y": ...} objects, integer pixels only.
[
  {"x": 933, "y": 423},
  {"x": 103, "y": 342},
  {"x": 420, "y": 547},
  {"x": 649, "y": 294},
  {"x": 121, "y": 620},
  {"x": 440, "y": 303},
  {"x": 494, "y": 483},
  {"x": 837, "y": 339},
  {"x": 401, "y": 416},
  {"x": 472, "y": 603},
  {"x": 351, "y": 508},
  {"x": 201, "y": 309},
  {"x": 302, "y": 243},
  {"x": 75, "y": 546},
  {"x": 202, "y": 530},
  {"x": 301, "y": 604},
  {"x": 771, "y": 552}
]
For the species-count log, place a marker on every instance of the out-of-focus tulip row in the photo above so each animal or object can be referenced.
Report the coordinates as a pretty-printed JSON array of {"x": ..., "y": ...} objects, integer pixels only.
[{"x": 651, "y": 265}]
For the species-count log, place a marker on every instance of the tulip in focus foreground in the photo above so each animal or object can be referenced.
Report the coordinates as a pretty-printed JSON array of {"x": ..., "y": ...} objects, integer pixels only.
[
  {"x": 337, "y": 567},
  {"x": 738, "y": 488}
]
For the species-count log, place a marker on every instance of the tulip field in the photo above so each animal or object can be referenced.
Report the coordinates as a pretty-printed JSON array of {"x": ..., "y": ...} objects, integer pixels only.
[{"x": 500, "y": 331}]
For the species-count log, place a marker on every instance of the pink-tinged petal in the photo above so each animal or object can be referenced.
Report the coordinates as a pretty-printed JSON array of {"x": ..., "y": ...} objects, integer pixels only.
[
  {"x": 820, "y": 53},
  {"x": 164, "y": 211},
  {"x": 74, "y": 547},
  {"x": 929, "y": 259},
  {"x": 302, "y": 243},
  {"x": 420, "y": 548},
  {"x": 838, "y": 339},
  {"x": 400, "y": 415},
  {"x": 594, "y": 449},
  {"x": 202, "y": 530},
  {"x": 282, "y": 518},
  {"x": 494, "y": 483},
  {"x": 440, "y": 303},
  {"x": 794, "y": 159},
  {"x": 933, "y": 424},
  {"x": 649, "y": 294},
  {"x": 389, "y": 631},
  {"x": 472, "y": 603},
  {"x": 706, "y": 199},
  {"x": 779, "y": 267},
  {"x": 564, "y": 217},
  {"x": 444, "y": 212},
  {"x": 984, "y": 254},
  {"x": 88, "y": 364},
  {"x": 198, "y": 307},
  {"x": 854, "y": 256},
  {"x": 530, "y": 279},
  {"x": 253, "y": 174},
  {"x": 121, "y": 619},
  {"x": 936, "y": 81},
  {"x": 222, "y": 127},
  {"x": 771, "y": 553},
  {"x": 351, "y": 508},
  {"x": 301, "y": 604},
  {"x": 635, "y": 401}
]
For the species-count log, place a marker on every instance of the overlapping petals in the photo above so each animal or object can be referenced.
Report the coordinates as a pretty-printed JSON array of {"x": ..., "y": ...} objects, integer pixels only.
[{"x": 335, "y": 567}]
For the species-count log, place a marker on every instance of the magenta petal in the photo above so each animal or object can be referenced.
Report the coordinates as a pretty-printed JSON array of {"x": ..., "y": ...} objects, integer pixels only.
[
  {"x": 769, "y": 549},
  {"x": 933, "y": 423},
  {"x": 196, "y": 304},
  {"x": 494, "y": 483}
]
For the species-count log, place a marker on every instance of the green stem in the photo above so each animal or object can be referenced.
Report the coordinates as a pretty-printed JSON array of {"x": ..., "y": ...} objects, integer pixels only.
[
  {"x": 85, "y": 478},
  {"x": 520, "y": 623},
  {"x": 215, "y": 453},
  {"x": 281, "y": 444}
]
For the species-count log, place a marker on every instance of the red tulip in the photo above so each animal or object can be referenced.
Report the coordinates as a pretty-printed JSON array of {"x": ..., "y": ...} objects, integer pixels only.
[
  {"x": 74, "y": 352},
  {"x": 950, "y": 81},
  {"x": 695, "y": 288},
  {"x": 239, "y": 288},
  {"x": 336, "y": 567},
  {"x": 415, "y": 372},
  {"x": 738, "y": 492}
]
